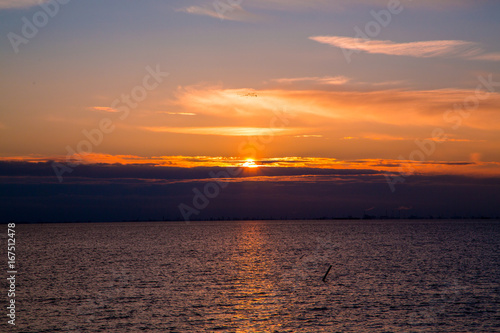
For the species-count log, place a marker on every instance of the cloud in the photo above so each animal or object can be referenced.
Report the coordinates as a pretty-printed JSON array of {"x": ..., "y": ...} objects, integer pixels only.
[
  {"x": 10, "y": 4},
  {"x": 334, "y": 109},
  {"x": 224, "y": 131},
  {"x": 309, "y": 136},
  {"x": 103, "y": 108},
  {"x": 197, "y": 10},
  {"x": 488, "y": 57},
  {"x": 384, "y": 137},
  {"x": 423, "y": 49},
  {"x": 178, "y": 113},
  {"x": 31, "y": 192},
  {"x": 245, "y": 10},
  {"x": 227, "y": 12},
  {"x": 344, "y": 4},
  {"x": 267, "y": 4},
  {"x": 272, "y": 167},
  {"x": 387, "y": 83},
  {"x": 231, "y": 10},
  {"x": 333, "y": 80}
]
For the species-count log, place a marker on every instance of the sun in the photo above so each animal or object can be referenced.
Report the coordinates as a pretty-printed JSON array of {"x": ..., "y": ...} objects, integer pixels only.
[{"x": 250, "y": 163}]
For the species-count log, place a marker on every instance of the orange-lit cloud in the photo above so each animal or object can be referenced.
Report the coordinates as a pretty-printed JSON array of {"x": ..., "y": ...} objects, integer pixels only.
[
  {"x": 333, "y": 80},
  {"x": 384, "y": 137},
  {"x": 33, "y": 158},
  {"x": 225, "y": 131},
  {"x": 309, "y": 136},
  {"x": 104, "y": 109},
  {"x": 475, "y": 167},
  {"x": 179, "y": 113},
  {"x": 324, "y": 109},
  {"x": 387, "y": 83}
]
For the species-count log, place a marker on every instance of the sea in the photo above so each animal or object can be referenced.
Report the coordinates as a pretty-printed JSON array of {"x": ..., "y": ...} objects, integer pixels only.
[{"x": 258, "y": 276}]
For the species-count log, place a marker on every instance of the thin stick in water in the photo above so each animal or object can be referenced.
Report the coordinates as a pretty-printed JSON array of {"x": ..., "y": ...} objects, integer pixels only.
[{"x": 328, "y": 271}]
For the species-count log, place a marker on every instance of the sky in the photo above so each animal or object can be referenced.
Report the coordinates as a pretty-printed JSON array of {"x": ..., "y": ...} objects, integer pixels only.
[{"x": 120, "y": 110}]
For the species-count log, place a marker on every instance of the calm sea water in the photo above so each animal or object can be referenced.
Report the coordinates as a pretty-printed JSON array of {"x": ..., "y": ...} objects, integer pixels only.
[{"x": 260, "y": 276}]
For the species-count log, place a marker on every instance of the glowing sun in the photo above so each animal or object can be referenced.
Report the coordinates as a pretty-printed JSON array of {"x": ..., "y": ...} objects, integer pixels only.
[{"x": 250, "y": 163}]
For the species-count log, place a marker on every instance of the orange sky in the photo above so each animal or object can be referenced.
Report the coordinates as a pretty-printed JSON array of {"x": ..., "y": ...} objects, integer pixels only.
[{"x": 251, "y": 82}]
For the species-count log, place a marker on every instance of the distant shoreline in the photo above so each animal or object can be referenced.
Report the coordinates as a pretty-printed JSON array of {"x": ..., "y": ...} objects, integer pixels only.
[{"x": 485, "y": 218}]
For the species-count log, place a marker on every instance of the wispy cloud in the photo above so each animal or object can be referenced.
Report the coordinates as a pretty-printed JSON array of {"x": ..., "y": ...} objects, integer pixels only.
[
  {"x": 309, "y": 136},
  {"x": 333, "y": 80},
  {"x": 384, "y": 137},
  {"x": 488, "y": 57},
  {"x": 423, "y": 49},
  {"x": 387, "y": 137},
  {"x": 8, "y": 4},
  {"x": 270, "y": 4},
  {"x": 317, "y": 108},
  {"x": 224, "y": 131},
  {"x": 198, "y": 10},
  {"x": 103, "y": 109},
  {"x": 226, "y": 10},
  {"x": 344, "y": 4},
  {"x": 231, "y": 13},
  {"x": 178, "y": 113},
  {"x": 387, "y": 83}
]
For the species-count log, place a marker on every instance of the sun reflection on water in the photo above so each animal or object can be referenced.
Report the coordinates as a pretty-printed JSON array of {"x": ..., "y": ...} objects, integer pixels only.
[{"x": 255, "y": 300}]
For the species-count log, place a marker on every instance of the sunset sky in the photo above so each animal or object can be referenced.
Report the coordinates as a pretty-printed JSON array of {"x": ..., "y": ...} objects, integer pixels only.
[{"x": 318, "y": 94}]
